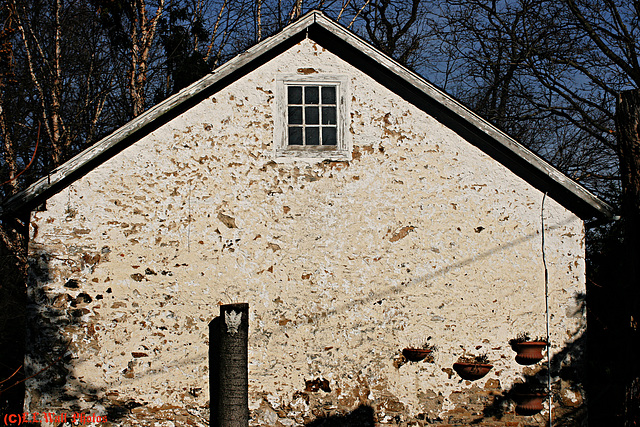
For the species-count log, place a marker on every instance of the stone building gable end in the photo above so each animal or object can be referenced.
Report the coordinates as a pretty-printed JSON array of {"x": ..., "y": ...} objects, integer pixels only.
[{"x": 408, "y": 233}]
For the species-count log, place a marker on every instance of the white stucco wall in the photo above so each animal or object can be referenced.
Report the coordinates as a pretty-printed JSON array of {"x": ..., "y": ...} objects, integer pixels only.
[{"x": 343, "y": 263}]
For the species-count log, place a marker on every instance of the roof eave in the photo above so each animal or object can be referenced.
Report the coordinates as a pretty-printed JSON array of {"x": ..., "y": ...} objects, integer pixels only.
[
  {"x": 57, "y": 179},
  {"x": 584, "y": 203},
  {"x": 588, "y": 205}
]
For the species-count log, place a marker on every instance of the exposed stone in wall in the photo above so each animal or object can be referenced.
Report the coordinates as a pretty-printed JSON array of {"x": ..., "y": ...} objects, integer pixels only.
[{"x": 343, "y": 264}]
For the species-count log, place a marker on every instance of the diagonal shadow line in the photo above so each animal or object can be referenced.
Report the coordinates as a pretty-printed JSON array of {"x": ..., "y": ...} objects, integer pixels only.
[
  {"x": 394, "y": 289},
  {"x": 166, "y": 368}
]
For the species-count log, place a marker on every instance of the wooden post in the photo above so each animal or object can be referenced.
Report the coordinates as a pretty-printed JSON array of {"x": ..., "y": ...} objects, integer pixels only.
[
  {"x": 229, "y": 376},
  {"x": 628, "y": 136}
]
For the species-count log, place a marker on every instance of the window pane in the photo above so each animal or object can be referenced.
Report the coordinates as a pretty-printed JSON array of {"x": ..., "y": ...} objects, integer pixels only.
[
  {"x": 295, "y": 95},
  {"x": 311, "y": 115},
  {"x": 295, "y": 135},
  {"x": 295, "y": 115},
  {"x": 329, "y": 136},
  {"x": 312, "y": 136},
  {"x": 328, "y": 94},
  {"x": 311, "y": 94},
  {"x": 328, "y": 115}
]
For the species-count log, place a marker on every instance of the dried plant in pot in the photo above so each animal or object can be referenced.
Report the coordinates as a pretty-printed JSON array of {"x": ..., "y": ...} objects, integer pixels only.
[
  {"x": 472, "y": 367},
  {"x": 529, "y": 398},
  {"x": 529, "y": 351},
  {"x": 417, "y": 354}
]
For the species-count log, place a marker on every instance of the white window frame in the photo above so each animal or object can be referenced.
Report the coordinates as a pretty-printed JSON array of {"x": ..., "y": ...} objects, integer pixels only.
[{"x": 342, "y": 149}]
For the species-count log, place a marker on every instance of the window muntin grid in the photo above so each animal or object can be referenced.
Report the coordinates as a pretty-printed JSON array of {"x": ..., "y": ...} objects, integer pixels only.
[{"x": 312, "y": 115}]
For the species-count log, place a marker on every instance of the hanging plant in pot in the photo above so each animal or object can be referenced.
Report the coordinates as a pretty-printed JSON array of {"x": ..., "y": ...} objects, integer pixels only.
[
  {"x": 529, "y": 350},
  {"x": 472, "y": 367},
  {"x": 529, "y": 399},
  {"x": 416, "y": 354}
]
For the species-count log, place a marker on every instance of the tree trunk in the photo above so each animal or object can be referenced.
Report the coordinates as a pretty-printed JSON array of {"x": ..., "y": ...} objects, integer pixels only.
[
  {"x": 628, "y": 132},
  {"x": 55, "y": 92},
  {"x": 13, "y": 296},
  {"x": 142, "y": 33},
  {"x": 296, "y": 11},
  {"x": 10, "y": 155},
  {"x": 259, "y": 18}
]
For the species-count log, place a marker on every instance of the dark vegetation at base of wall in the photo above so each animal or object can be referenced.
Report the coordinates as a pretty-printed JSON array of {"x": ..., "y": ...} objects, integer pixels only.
[
  {"x": 363, "y": 416},
  {"x": 13, "y": 271},
  {"x": 12, "y": 324}
]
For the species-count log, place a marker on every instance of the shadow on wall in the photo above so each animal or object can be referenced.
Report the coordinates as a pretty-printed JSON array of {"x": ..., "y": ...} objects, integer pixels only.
[
  {"x": 609, "y": 333},
  {"x": 52, "y": 318},
  {"x": 568, "y": 367},
  {"x": 12, "y": 326},
  {"x": 64, "y": 327},
  {"x": 490, "y": 405},
  {"x": 57, "y": 327}
]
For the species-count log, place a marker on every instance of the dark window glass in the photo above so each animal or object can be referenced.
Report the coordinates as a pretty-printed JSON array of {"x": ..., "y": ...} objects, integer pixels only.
[
  {"x": 311, "y": 115},
  {"x": 328, "y": 115},
  {"x": 329, "y": 136},
  {"x": 311, "y": 94},
  {"x": 295, "y": 115},
  {"x": 329, "y": 95},
  {"x": 295, "y": 135},
  {"x": 295, "y": 95},
  {"x": 312, "y": 136}
]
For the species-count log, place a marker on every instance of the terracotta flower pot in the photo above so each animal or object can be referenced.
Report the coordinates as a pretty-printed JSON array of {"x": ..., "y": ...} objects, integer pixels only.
[
  {"x": 529, "y": 352},
  {"x": 472, "y": 371},
  {"x": 415, "y": 354},
  {"x": 529, "y": 403}
]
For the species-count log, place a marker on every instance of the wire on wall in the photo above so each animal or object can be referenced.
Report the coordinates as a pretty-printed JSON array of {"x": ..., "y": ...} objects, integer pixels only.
[{"x": 189, "y": 220}]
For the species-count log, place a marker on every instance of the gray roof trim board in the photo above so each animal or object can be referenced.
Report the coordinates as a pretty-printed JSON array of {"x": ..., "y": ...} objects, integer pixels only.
[{"x": 359, "y": 53}]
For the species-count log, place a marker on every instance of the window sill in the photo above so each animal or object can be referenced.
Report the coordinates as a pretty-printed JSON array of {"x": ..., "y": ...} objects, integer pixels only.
[{"x": 317, "y": 153}]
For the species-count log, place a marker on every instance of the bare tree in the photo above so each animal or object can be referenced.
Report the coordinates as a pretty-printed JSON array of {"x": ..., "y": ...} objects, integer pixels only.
[
  {"x": 142, "y": 30},
  {"x": 56, "y": 47},
  {"x": 7, "y": 78},
  {"x": 12, "y": 239},
  {"x": 132, "y": 29},
  {"x": 487, "y": 55},
  {"x": 45, "y": 66},
  {"x": 398, "y": 28},
  {"x": 259, "y": 19},
  {"x": 562, "y": 65},
  {"x": 52, "y": 93},
  {"x": 296, "y": 10}
]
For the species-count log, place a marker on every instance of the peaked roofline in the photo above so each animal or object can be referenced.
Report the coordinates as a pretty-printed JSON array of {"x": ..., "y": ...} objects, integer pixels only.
[{"x": 318, "y": 27}]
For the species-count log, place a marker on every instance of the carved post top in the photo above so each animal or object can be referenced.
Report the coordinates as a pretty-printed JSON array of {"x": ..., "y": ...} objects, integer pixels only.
[{"x": 231, "y": 315}]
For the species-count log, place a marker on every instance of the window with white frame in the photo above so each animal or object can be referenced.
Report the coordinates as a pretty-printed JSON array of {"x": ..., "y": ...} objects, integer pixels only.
[{"x": 311, "y": 117}]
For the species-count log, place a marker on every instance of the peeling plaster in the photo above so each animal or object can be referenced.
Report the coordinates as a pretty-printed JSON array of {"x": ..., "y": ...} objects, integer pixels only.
[{"x": 343, "y": 264}]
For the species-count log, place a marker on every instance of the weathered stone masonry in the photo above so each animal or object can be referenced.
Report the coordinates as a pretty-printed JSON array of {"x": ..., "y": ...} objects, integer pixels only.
[{"x": 343, "y": 264}]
